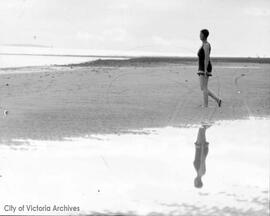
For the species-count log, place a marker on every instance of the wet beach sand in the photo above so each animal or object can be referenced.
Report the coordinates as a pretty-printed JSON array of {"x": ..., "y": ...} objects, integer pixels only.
[
  {"x": 58, "y": 102},
  {"x": 114, "y": 138}
]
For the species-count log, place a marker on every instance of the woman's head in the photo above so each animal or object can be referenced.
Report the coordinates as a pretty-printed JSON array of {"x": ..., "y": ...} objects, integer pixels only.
[
  {"x": 204, "y": 33},
  {"x": 198, "y": 182}
]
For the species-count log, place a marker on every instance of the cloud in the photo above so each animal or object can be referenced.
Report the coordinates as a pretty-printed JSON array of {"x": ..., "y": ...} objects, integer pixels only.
[
  {"x": 161, "y": 41},
  {"x": 26, "y": 45},
  {"x": 186, "y": 45},
  {"x": 18, "y": 4},
  {"x": 116, "y": 35},
  {"x": 85, "y": 36},
  {"x": 263, "y": 12}
]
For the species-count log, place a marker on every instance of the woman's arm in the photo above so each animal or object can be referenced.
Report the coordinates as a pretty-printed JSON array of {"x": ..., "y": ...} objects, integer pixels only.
[{"x": 206, "y": 48}]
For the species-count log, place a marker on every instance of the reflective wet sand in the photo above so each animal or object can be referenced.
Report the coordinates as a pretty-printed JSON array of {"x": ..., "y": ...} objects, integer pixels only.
[{"x": 144, "y": 171}]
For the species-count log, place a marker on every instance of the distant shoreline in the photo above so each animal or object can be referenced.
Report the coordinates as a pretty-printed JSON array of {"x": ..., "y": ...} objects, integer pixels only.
[
  {"x": 166, "y": 60},
  {"x": 154, "y": 58},
  {"x": 121, "y": 60}
]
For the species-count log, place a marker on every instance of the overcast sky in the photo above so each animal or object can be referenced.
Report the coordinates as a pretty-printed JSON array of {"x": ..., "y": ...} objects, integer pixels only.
[{"x": 237, "y": 27}]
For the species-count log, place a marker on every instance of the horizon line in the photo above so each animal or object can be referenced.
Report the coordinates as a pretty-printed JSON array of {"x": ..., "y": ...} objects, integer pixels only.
[{"x": 127, "y": 56}]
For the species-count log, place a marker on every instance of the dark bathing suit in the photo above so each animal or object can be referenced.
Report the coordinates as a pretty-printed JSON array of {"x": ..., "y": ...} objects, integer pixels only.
[{"x": 201, "y": 57}]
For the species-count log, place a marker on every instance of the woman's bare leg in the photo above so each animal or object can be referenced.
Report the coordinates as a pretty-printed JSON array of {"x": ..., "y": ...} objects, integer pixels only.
[
  {"x": 203, "y": 85},
  {"x": 210, "y": 93},
  {"x": 201, "y": 135},
  {"x": 205, "y": 97}
]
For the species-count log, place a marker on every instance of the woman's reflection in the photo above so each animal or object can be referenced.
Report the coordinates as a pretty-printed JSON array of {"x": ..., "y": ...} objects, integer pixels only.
[{"x": 201, "y": 151}]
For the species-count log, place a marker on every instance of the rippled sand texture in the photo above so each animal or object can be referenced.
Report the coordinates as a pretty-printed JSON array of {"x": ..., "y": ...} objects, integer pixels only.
[{"x": 52, "y": 103}]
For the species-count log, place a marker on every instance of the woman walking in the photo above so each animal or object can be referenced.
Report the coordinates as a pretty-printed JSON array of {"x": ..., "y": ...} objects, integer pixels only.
[{"x": 205, "y": 68}]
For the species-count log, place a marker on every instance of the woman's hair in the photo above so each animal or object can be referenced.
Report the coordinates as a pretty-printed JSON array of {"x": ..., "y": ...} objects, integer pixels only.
[{"x": 205, "y": 33}]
